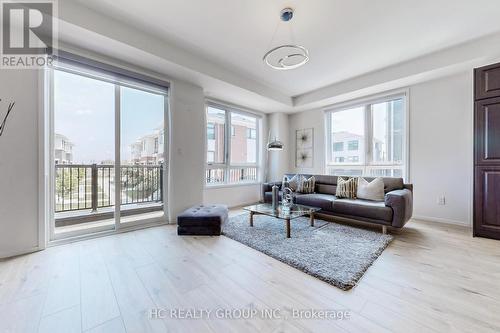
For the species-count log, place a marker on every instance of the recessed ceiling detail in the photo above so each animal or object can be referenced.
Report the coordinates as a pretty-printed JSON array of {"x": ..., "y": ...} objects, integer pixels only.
[{"x": 288, "y": 56}]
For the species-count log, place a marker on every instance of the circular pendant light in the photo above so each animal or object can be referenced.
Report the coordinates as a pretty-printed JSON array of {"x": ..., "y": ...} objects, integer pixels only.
[{"x": 288, "y": 56}]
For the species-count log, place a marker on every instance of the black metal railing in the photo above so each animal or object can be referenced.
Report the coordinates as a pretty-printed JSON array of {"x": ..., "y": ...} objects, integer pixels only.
[
  {"x": 81, "y": 186},
  {"x": 235, "y": 175}
]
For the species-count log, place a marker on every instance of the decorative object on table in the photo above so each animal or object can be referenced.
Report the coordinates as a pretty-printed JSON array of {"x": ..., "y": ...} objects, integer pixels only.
[
  {"x": 373, "y": 190},
  {"x": 306, "y": 184},
  {"x": 9, "y": 109},
  {"x": 338, "y": 254},
  {"x": 304, "y": 155},
  {"x": 346, "y": 187},
  {"x": 287, "y": 198},
  {"x": 276, "y": 197},
  {"x": 289, "y": 55}
]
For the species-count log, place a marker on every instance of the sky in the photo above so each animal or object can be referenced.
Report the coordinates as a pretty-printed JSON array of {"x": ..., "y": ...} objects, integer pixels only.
[{"x": 84, "y": 113}]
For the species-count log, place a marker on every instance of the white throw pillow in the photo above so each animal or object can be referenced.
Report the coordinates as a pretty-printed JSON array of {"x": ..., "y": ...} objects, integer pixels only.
[
  {"x": 373, "y": 190},
  {"x": 293, "y": 182}
]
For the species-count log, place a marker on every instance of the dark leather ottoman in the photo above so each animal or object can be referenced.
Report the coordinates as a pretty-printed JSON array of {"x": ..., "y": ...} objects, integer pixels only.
[{"x": 202, "y": 220}]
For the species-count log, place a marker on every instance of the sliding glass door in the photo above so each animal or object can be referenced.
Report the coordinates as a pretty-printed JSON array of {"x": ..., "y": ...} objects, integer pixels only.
[
  {"x": 84, "y": 153},
  {"x": 142, "y": 155},
  {"x": 108, "y": 151}
]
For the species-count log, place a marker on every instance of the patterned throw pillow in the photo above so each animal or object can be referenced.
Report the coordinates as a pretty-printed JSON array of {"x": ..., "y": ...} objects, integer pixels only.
[
  {"x": 346, "y": 187},
  {"x": 292, "y": 183},
  {"x": 306, "y": 185},
  {"x": 373, "y": 190}
]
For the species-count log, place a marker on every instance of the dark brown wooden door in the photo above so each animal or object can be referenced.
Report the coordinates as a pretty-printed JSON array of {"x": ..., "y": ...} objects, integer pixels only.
[
  {"x": 487, "y": 120},
  {"x": 487, "y": 152},
  {"x": 487, "y": 81},
  {"x": 487, "y": 202}
]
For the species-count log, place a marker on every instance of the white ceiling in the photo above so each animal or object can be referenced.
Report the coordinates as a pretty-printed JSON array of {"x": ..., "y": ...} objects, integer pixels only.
[{"x": 345, "y": 38}]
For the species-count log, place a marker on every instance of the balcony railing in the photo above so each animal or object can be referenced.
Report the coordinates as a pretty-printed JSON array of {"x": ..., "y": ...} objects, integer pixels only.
[
  {"x": 234, "y": 175},
  {"x": 80, "y": 187},
  {"x": 365, "y": 170}
]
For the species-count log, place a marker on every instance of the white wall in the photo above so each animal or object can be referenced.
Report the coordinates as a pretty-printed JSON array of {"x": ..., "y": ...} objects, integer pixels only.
[
  {"x": 441, "y": 141},
  {"x": 441, "y": 120},
  {"x": 310, "y": 119},
  {"x": 187, "y": 147},
  {"x": 19, "y": 163},
  {"x": 232, "y": 196}
]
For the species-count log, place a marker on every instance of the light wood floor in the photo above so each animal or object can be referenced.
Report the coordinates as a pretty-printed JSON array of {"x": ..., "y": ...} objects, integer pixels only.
[{"x": 432, "y": 278}]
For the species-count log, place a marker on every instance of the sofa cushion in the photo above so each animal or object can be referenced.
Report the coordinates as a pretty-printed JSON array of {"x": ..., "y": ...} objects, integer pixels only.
[
  {"x": 363, "y": 208},
  {"x": 326, "y": 179},
  {"x": 323, "y": 201},
  {"x": 325, "y": 188},
  {"x": 291, "y": 182}
]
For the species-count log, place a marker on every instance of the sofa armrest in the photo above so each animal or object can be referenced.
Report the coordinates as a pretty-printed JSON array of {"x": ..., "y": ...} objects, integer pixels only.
[
  {"x": 268, "y": 187},
  {"x": 401, "y": 202}
]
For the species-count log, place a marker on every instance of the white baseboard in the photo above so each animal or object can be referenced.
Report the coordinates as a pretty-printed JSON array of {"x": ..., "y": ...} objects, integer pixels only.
[
  {"x": 6, "y": 255},
  {"x": 442, "y": 220},
  {"x": 243, "y": 204}
]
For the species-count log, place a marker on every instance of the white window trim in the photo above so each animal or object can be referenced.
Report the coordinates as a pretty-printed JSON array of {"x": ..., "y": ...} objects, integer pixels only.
[
  {"x": 363, "y": 101},
  {"x": 227, "y": 166}
]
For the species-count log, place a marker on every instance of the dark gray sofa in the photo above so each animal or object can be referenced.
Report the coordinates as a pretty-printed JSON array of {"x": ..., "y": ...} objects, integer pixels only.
[{"x": 394, "y": 211}]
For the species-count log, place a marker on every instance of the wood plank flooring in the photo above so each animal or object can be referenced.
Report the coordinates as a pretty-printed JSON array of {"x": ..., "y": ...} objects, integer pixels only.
[{"x": 431, "y": 278}]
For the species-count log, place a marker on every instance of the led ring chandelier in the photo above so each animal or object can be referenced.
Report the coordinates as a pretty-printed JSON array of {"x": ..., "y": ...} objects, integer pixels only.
[{"x": 288, "y": 56}]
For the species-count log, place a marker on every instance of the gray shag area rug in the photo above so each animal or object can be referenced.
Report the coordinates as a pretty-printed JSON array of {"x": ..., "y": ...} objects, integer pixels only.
[{"x": 335, "y": 253}]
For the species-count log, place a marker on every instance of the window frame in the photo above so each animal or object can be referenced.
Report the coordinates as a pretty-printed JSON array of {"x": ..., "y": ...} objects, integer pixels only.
[
  {"x": 366, "y": 103},
  {"x": 226, "y": 165}
]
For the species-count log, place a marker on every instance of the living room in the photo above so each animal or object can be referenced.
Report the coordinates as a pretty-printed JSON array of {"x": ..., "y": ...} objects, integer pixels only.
[{"x": 274, "y": 166}]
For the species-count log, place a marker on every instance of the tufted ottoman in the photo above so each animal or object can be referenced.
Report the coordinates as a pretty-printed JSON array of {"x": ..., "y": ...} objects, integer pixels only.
[{"x": 202, "y": 220}]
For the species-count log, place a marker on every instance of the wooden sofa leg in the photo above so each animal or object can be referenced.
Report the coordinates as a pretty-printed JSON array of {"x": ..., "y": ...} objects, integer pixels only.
[{"x": 384, "y": 230}]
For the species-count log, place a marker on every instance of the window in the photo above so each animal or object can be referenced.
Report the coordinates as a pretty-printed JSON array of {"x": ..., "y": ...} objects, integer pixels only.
[
  {"x": 211, "y": 131},
  {"x": 210, "y": 156},
  {"x": 375, "y": 134},
  {"x": 251, "y": 133},
  {"x": 231, "y": 157},
  {"x": 338, "y": 146},
  {"x": 353, "y": 145}
]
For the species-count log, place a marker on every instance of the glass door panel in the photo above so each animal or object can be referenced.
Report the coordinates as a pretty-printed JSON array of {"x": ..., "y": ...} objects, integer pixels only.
[
  {"x": 142, "y": 150},
  {"x": 84, "y": 154}
]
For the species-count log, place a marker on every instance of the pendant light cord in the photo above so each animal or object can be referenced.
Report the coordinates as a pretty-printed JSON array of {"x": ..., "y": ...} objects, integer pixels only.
[{"x": 274, "y": 35}]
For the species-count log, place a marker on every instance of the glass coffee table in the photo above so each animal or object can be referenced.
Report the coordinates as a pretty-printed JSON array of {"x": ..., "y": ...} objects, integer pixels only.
[{"x": 294, "y": 212}]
